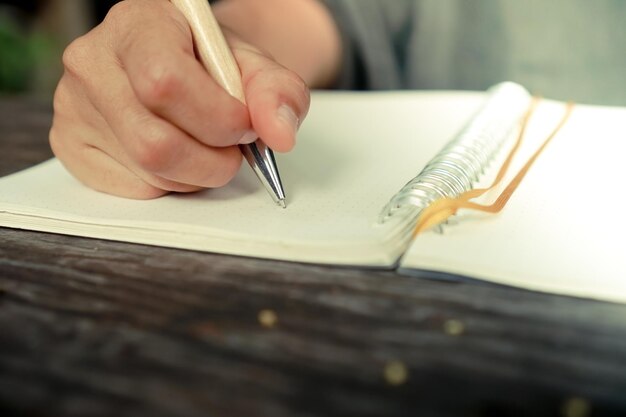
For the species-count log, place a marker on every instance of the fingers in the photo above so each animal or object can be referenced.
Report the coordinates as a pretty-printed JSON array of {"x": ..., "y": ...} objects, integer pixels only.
[
  {"x": 152, "y": 147},
  {"x": 78, "y": 131},
  {"x": 98, "y": 93},
  {"x": 278, "y": 99},
  {"x": 99, "y": 171},
  {"x": 169, "y": 81},
  {"x": 140, "y": 116}
]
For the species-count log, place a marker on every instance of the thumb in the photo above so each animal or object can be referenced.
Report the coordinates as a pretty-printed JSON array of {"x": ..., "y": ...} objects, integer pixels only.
[{"x": 277, "y": 98}]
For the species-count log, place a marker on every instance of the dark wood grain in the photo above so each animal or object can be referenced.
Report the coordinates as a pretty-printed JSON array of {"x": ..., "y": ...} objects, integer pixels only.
[
  {"x": 24, "y": 126},
  {"x": 97, "y": 328}
]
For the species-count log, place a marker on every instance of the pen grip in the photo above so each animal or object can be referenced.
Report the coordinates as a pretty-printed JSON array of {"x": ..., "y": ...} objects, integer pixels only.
[{"x": 211, "y": 46}]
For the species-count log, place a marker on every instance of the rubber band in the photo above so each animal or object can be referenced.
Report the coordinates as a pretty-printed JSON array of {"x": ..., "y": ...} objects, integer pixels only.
[{"x": 441, "y": 209}]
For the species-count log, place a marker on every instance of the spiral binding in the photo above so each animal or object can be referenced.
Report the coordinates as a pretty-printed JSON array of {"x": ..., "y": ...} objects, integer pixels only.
[{"x": 463, "y": 160}]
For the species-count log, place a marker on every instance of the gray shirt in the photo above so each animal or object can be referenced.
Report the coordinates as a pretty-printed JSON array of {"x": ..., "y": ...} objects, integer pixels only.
[{"x": 562, "y": 49}]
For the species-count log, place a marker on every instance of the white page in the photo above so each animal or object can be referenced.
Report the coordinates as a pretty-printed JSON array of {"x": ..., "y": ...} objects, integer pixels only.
[
  {"x": 354, "y": 151},
  {"x": 563, "y": 230}
]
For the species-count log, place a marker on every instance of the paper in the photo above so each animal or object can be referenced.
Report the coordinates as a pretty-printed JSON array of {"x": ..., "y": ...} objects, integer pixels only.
[
  {"x": 563, "y": 230},
  {"x": 354, "y": 151}
]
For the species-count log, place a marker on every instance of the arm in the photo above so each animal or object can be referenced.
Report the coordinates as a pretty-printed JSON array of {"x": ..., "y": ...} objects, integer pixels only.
[
  {"x": 302, "y": 36},
  {"x": 136, "y": 115}
]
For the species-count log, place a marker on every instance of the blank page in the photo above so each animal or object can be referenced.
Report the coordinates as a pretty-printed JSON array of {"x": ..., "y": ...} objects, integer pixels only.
[{"x": 564, "y": 229}]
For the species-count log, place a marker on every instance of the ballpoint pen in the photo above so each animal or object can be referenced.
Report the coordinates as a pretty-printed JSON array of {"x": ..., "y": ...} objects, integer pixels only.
[{"x": 217, "y": 58}]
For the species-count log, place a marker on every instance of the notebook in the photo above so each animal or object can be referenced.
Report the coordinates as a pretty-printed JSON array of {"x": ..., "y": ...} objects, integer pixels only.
[{"x": 365, "y": 166}]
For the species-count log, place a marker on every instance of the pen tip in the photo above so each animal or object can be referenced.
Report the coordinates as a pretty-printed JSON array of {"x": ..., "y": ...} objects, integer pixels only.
[{"x": 282, "y": 203}]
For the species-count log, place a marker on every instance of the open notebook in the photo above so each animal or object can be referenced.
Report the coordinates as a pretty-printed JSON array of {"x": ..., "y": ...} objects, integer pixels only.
[{"x": 563, "y": 230}]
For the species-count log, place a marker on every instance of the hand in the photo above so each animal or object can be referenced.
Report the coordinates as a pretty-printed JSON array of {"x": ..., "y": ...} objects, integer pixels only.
[{"x": 136, "y": 115}]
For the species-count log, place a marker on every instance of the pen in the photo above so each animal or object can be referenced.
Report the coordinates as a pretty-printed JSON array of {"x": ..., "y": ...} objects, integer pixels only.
[{"x": 218, "y": 60}]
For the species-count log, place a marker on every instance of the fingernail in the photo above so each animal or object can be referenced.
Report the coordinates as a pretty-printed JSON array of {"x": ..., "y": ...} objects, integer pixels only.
[
  {"x": 288, "y": 116},
  {"x": 248, "y": 137}
]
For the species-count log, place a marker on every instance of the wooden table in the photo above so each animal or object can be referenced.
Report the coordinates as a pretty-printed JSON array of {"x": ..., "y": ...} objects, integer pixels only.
[{"x": 97, "y": 328}]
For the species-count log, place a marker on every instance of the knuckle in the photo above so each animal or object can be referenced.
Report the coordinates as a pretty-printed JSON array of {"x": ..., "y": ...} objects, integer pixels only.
[
  {"x": 61, "y": 99},
  {"x": 298, "y": 83},
  {"x": 302, "y": 93},
  {"x": 120, "y": 13},
  {"x": 77, "y": 56},
  {"x": 57, "y": 144},
  {"x": 153, "y": 149},
  {"x": 62, "y": 135},
  {"x": 158, "y": 84},
  {"x": 292, "y": 88}
]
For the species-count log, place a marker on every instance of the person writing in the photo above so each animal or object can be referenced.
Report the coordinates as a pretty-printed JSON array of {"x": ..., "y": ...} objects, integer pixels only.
[{"x": 136, "y": 115}]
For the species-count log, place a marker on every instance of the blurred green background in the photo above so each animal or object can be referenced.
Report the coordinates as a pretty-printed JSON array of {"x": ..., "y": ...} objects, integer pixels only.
[
  {"x": 21, "y": 53},
  {"x": 33, "y": 35}
]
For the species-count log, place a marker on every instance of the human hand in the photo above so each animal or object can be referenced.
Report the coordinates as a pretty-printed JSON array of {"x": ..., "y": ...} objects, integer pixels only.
[{"x": 136, "y": 115}]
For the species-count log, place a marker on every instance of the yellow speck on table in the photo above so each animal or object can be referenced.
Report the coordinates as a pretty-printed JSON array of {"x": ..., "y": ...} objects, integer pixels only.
[
  {"x": 453, "y": 327},
  {"x": 576, "y": 407},
  {"x": 396, "y": 373},
  {"x": 268, "y": 318}
]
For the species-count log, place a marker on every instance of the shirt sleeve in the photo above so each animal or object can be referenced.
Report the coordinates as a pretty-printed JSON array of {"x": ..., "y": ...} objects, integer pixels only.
[{"x": 373, "y": 36}]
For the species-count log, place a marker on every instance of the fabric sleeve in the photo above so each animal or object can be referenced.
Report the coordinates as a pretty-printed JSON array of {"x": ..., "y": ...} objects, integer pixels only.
[{"x": 374, "y": 34}]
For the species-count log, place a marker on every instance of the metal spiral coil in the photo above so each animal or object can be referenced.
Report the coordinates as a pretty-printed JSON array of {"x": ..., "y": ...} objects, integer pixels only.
[{"x": 457, "y": 167}]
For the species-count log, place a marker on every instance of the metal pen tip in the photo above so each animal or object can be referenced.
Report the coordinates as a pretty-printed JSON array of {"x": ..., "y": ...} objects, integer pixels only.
[{"x": 262, "y": 161}]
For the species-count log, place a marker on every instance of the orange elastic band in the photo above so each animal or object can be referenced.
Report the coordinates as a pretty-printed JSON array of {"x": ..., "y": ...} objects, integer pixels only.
[{"x": 440, "y": 210}]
